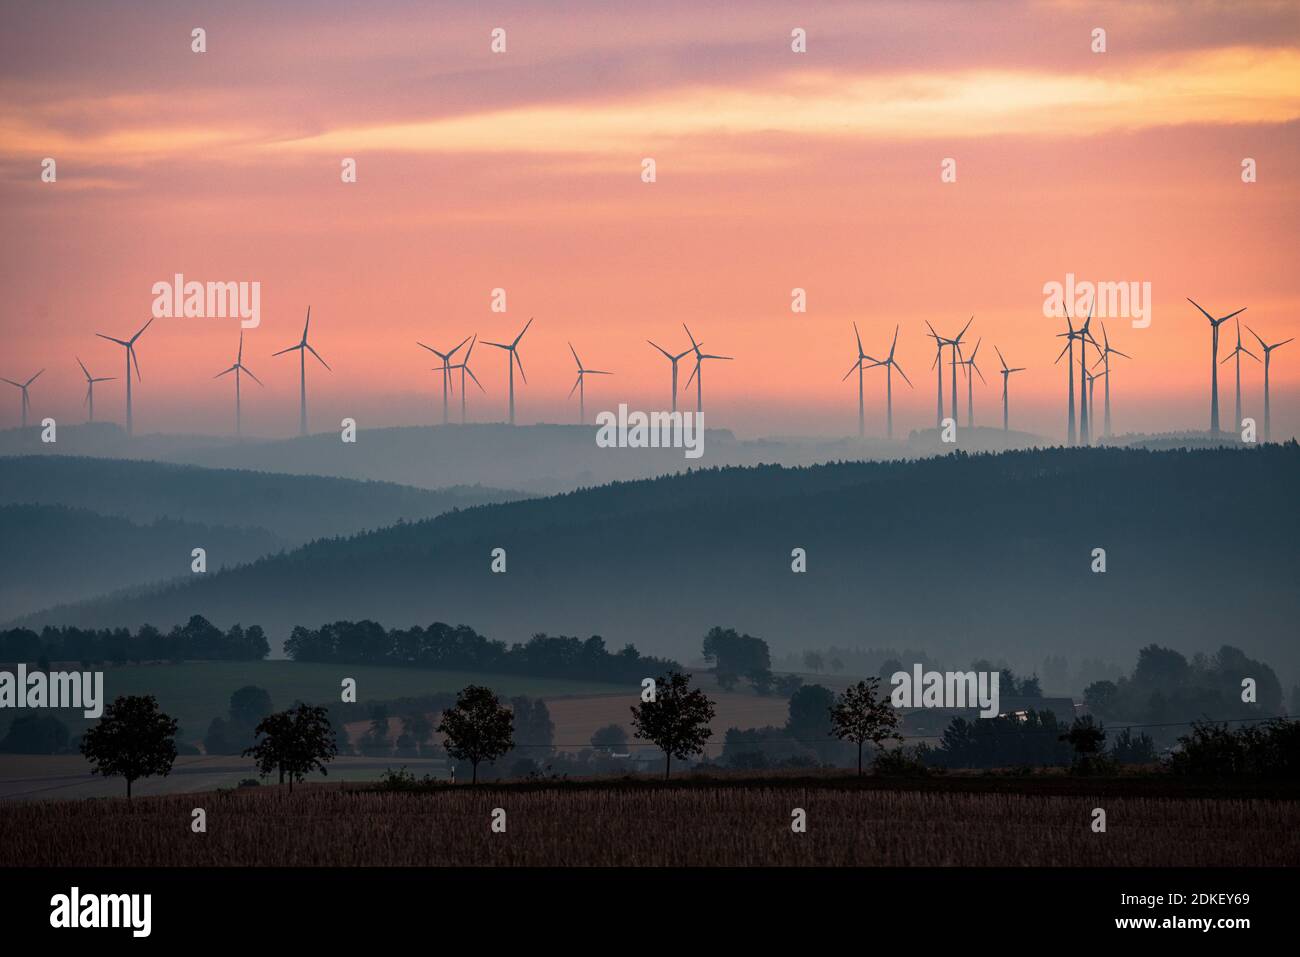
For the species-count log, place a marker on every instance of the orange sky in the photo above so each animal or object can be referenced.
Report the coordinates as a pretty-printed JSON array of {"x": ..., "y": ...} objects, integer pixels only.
[{"x": 522, "y": 170}]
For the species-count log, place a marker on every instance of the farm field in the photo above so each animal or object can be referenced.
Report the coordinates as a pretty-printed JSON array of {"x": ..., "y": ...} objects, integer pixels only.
[
  {"x": 647, "y": 825},
  {"x": 196, "y": 692},
  {"x": 576, "y": 716},
  {"x": 67, "y": 776}
]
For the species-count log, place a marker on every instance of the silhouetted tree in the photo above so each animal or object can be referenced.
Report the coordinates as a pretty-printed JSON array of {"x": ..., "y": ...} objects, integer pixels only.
[
  {"x": 1086, "y": 737},
  {"x": 859, "y": 716},
  {"x": 734, "y": 655},
  {"x": 813, "y": 661},
  {"x": 677, "y": 720},
  {"x": 479, "y": 727},
  {"x": 611, "y": 737},
  {"x": 294, "y": 742},
  {"x": 1133, "y": 749},
  {"x": 133, "y": 739}
]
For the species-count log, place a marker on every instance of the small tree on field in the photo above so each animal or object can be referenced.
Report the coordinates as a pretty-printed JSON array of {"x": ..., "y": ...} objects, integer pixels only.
[
  {"x": 478, "y": 729},
  {"x": 859, "y": 716},
  {"x": 294, "y": 743},
  {"x": 677, "y": 719},
  {"x": 611, "y": 737},
  {"x": 1087, "y": 738},
  {"x": 133, "y": 739}
]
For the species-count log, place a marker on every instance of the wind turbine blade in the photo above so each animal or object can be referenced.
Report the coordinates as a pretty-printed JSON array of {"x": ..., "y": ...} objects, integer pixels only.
[
  {"x": 470, "y": 351},
  {"x": 842, "y": 378},
  {"x": 142, "y": 329},
  {"x": 596, "y": 372},
  {"x": 705, "y": 355},
  {"x": 1000, "y": 359},
  {"x": 1228, "y": 316},
  {"x": 418, "y": 343},
  {"x": 136, "y": 359},
  {"x": 1116, "y": 352},
  {"x": 1249, "y": 353},
  {"x": 283, "y": 351},
  {"x": 694, "y": 345},
  {"x": 499, "y": 345},
  {"x": 661, "y": 349},
  {"x": 83, "y": 368},
  {"x": 893, "y": 344},
  {"x": 1227, "y": 357},
  {"x": 522, "y": 331},
  {"x": 253, "y": 377},
  {"x": 575, "y": 355},
  {"x": 693, "y": 371},
  {"x": 87, "y": 397},
  {"x": 1284, "y": 342},
  {"x": 306, "y": 325},
  {"x": 977, "y": 370},
  {"x": 963, "y": 329},
  {"x": 318, "y": 358},
  {"x": 575, "y": 386},
  {"x": 1198, "y": 306},
  {"x": 858, "y": 337},
  {"x": 1063, "y": 352},
  {"x": 11, "y": 382},
  {"x": 240, "y": 357},
  {"x": 903, "y": 374},
  {"x": 457, "y": 349},
  {"x": 120, "y": 342},
  {"x": 225, "y": 372},
  {"x": 475, "y": 378},
  {"x": 521, "y": 364},
  {"x": 33, "y": 379}
]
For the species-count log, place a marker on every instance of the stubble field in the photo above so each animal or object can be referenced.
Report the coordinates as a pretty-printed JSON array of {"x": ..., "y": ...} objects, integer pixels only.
[{"x": 643, "y": 825}]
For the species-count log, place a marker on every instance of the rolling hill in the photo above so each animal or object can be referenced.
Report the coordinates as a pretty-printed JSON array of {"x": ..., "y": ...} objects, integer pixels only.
[{"x": 963, "y": 556}]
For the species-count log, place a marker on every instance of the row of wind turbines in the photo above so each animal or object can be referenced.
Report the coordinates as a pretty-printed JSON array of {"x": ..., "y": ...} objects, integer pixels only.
[
  {"x": 1088, "y": 375},
  {"x": 1079, "y": 427},
  {"x": 447, "y": 369}
]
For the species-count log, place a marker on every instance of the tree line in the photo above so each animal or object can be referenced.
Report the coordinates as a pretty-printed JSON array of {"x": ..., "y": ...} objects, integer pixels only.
[
  {"x": 461, "y": 648},
  {"x": 196, "y": 639}
]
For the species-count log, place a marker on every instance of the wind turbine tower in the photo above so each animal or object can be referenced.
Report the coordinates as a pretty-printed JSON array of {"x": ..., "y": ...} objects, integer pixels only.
[
  {"x": 1214, "y": 360},
  {"x": 90, "y": 388},
  {"x": 131, "y": 357},
  {"x": 1268, "y": 351},
  {"x": 303, "y": 348},
  {"x": 580, "y": 386},
  {"x": 237, "y": 368},
  {"x": 513, "y": 349}
]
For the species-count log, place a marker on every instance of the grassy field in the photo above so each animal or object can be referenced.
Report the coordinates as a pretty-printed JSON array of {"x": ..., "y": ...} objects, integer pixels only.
[
  {"x": 196, "y": 692},
  {"x": 576, "y": 716},
  {"x": 645, "y": 825}
]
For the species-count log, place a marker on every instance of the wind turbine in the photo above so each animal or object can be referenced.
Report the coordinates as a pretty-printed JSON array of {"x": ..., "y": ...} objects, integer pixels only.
[
  {"x": 970, "y": 382},
  {"x": 303, "y": 348},
  {"x": 1084, "y": 338},
  {"x": 697, "y": 373},
  {"x": 463, "y": 366},
  {"x": 890, "y": 365},
  {"x": 237, "y": 368},
  {"x": 674, "y": 359},
  {"x": 446, "y": 371},
  {"x": 130, "y": 357},
  {"x": 513, "y": 349},
  {"x": 1268, "y": 351},
  {"x": 862, "y": 356},
  {"x": 580, "y": 386},
  {"x": 955, "y": 343},
  {"x": 90, "y": 388},
  {"x": 1214, "y": 360},
  {"x": 1237, "y": 352},
  {"x": 1006, "y": 375},
  {"x": 23, "y": 386},
  {"x": 1106, "y": 351},
  {"x": 1091, "y": 378}
]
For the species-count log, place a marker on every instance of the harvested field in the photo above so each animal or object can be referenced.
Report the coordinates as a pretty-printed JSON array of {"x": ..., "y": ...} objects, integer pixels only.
[{"x": 645, "y": 825}]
